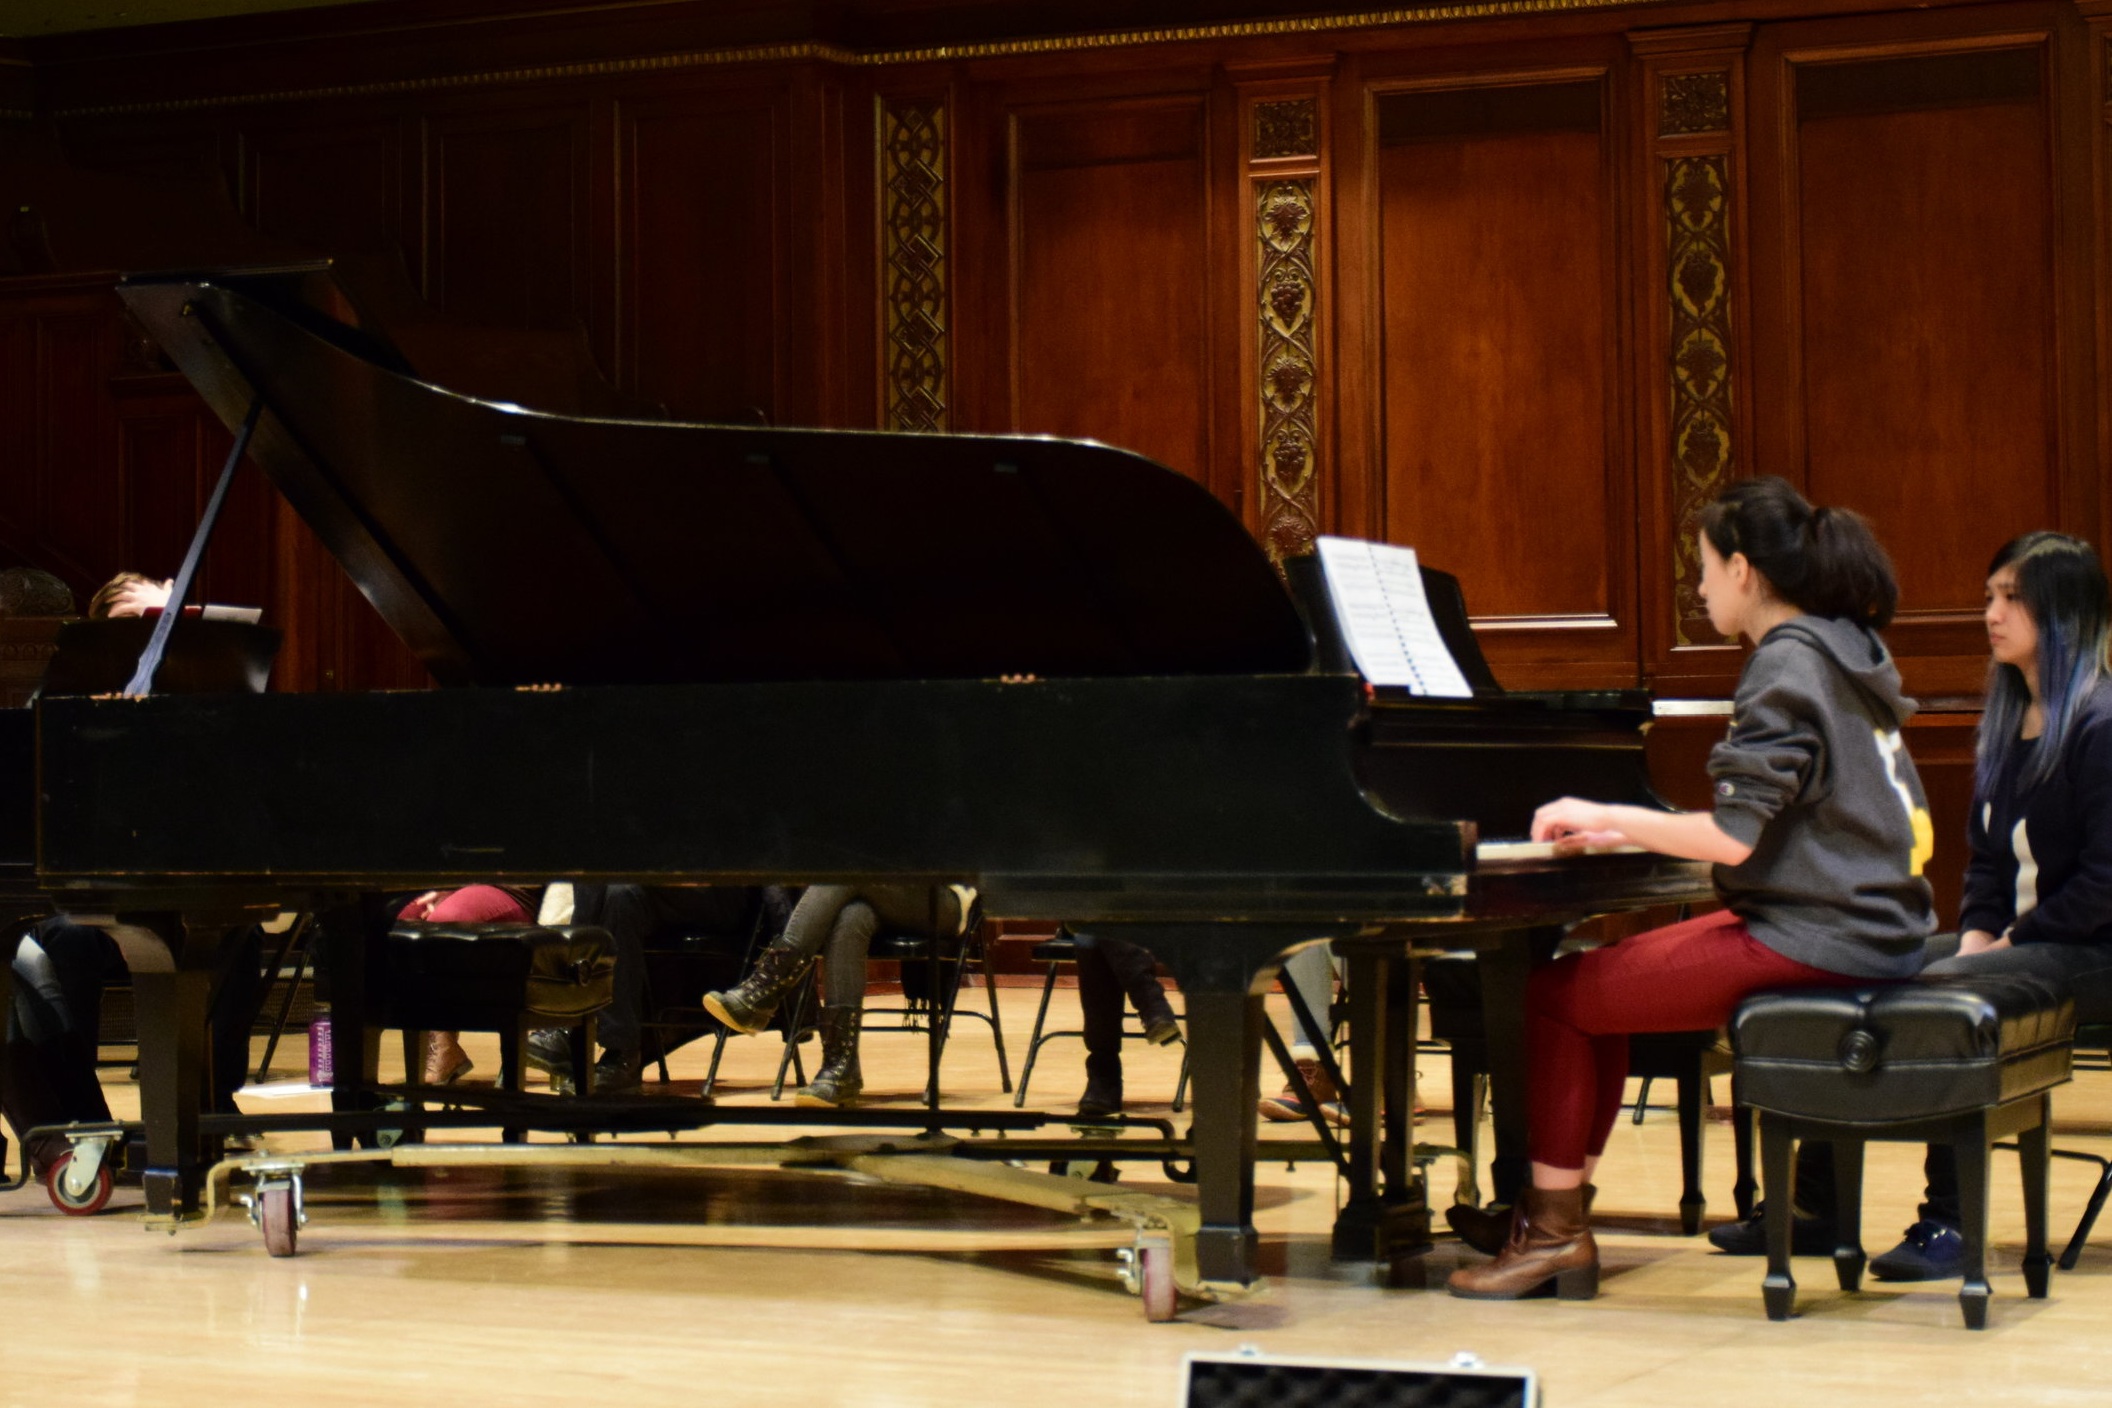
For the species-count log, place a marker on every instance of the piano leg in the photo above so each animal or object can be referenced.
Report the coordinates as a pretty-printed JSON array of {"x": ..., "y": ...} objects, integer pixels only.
[
  {"x": 1224, "y": 971},
  {"x": 173, "y": 959},
  {"x": 1505, "y": 967},
  {"x": 347, "y": 929},
  {"x": 1386, "y": 1214}
]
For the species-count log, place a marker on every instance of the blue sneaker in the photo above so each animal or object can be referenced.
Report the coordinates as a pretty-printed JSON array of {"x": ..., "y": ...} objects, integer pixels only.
[{"x": 1931, "y": 1251}]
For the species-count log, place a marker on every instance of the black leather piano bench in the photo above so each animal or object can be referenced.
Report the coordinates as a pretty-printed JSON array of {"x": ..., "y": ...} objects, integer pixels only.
[
  {"x": 511, "y": 979},
  {"x": 1962, "y": 1061}
]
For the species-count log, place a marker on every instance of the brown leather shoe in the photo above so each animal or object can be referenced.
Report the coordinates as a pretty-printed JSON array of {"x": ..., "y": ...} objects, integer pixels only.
[
  {"x": 1550, "y": 1244},
  {"x": 1487, "y": 1229},
  {"x": 445, "y": 1060}
]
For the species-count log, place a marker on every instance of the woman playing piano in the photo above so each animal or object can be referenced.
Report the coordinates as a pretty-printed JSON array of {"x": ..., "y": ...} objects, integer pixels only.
[{"x": 1819, "y": 833}]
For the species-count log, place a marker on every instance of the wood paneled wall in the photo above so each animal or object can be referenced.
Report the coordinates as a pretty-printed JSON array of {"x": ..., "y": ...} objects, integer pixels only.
[{"x": 1521, "y": 291}]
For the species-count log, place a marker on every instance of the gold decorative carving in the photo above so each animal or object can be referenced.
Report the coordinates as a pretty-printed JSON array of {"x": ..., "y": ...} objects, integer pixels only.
[
  {"x": 813, "y": 52},
  {"x": 1694, "y": 102},
  {"x": 1285, "y": 215},
  {"x": 913, "y": 264},
  {"x": 1287, "y": 129},
  {"x": 1697, "y": 224}
]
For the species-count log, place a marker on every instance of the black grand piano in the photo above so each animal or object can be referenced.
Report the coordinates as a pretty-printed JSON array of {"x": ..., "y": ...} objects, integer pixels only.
[{"x": 783, "y": 656}]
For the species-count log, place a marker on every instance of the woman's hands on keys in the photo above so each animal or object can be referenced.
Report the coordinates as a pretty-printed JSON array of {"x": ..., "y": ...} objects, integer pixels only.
[{"x": 1574, "y": 824}]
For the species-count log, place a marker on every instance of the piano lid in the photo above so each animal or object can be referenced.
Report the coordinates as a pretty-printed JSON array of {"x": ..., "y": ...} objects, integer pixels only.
[{"x": 509, "y": 546}]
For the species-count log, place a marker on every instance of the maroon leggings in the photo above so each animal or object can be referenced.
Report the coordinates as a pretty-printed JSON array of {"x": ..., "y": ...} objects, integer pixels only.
[{"x": 1580, "y": 1012}]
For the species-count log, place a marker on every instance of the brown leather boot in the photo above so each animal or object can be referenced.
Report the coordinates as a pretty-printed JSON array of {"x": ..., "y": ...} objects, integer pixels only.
[
  {"x": 1290, "y": 1105},
  {"x": 748, "y": 1006},
  {"x": 445, "y": 1060},
  {"x": 1550, "y": 1243},
  {"x": 1487, "y": 1229}
]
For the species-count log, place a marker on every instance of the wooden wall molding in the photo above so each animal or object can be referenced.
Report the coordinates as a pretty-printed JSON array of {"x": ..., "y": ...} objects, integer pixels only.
[
  {"x": 1284, "y": 139},
  {"x": 1691, "y": 376},
  {"x": 817, "y": 52},
  {"x": 916, "y": 311}
]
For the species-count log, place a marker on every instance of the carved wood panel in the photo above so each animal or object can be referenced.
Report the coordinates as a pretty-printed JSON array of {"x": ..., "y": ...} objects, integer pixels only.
[{"x": 1504, "y": 448}]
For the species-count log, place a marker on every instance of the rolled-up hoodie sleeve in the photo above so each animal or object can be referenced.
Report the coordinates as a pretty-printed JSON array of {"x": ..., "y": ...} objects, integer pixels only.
[{"x": 1768, "y": 758}]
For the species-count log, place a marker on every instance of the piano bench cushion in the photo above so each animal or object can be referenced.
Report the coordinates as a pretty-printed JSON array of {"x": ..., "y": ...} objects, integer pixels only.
[
  {"x": 489, "y": 977},
  {"x": 1895, "y": 1053}
]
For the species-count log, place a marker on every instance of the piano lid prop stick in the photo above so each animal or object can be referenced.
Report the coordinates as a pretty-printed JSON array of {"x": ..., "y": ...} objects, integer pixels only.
[{"x": 142, "y": 682}]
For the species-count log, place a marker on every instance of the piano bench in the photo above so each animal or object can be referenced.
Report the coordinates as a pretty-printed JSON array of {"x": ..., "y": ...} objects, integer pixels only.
[
  {"x": 510, "y": 979},
  {"x": 1958, "y": 1060}
]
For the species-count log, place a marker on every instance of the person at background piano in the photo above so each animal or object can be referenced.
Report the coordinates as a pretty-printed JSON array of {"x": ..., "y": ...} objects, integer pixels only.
[
  {"x": 61, "y": 969},
  {"x": 2038, "y": 880},
  {"x": 1819, "y": 834},
  {"x": 836, "y": 923}
]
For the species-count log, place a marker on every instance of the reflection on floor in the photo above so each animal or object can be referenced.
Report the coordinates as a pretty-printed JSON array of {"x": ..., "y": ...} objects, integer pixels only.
[{"x": 525, "y": 1287}]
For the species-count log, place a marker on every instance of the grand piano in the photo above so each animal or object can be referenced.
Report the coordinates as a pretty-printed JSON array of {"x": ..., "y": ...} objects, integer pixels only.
[{"x": 1047, "y": 668}]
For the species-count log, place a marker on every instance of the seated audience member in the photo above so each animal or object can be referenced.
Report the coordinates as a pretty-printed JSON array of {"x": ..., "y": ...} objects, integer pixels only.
[
  {"x": 60, "y": 971},
  {"x": 1312, "y": 971},
  {"x": 634, "y": 915},
  {"x": 445, "y": 1060},
  {"x": 1109, "y": 970},
  {"x": 840, "y": 921},
  {"x": 2038, "y": 880}
]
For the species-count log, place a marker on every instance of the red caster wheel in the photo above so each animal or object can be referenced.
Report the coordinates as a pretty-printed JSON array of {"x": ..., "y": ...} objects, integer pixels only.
[
  {"x": 85, "y": 1202},
  {"x": 279, "y": 1220}
]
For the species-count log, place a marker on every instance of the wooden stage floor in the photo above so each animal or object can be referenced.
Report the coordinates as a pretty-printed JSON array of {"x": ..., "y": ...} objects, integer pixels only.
[{"x": 524, "y": 1288}]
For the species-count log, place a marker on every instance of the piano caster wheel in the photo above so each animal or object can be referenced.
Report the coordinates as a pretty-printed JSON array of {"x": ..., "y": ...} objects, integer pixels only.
[
  {"x": 73, "y": 1194},
  {"x": 1147, "y": 1271},
  {"x": 276, "y": 1208}
]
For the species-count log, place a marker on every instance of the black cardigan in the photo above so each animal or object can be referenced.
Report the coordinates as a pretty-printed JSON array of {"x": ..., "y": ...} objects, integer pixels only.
[{"x": 2068, "y": 821}]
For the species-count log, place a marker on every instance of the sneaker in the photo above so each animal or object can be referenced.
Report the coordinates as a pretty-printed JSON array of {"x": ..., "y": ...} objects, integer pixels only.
[
  {"x": 619, "y": 1073},
  {"x": 1930, "y": 1251},
  {"x": 1160, "y": 1025},
  {"x": 1289, "y": 1105},
  {"x": 1808, "y": 1236},
  {"x": 550, "y": 1051}
]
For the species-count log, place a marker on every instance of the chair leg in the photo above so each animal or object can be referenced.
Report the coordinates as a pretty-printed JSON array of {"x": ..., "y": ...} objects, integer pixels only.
[
  {"x": 1693, "y": 1099},
  {"x": 2035, "y": 1157},
  {"x": 1642, "y": 1101},
  {"x": 997, "y": 1024},
  {"x": 513, "y": 1071},
  {"x": 797, "y": 1023},
  {"x": 2096, "y": 1205},
  {"x": 1778, "y": 1289},
  {"x": 1041, "y": 1017},
  {"x": 581, "y": 1041},
  {"x": 413, "y": 1057},
  {"x": 1971, "y": 1147},
  {"x": 1848, "y": 1258},
  {"x": 1743, "y": 1191},
  {"x": 718, "y": 1053},
  {"x": 1180, "y": 1084}
]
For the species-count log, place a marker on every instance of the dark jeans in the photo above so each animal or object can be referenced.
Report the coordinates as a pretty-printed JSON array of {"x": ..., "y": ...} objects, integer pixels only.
[
  {"x": 1110, "y": 970},
  {"x": 2083, "y": 971}
]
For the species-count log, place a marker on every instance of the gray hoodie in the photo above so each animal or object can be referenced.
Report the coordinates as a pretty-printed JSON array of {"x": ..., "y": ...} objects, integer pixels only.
[{"x": 1815, "y": 778}]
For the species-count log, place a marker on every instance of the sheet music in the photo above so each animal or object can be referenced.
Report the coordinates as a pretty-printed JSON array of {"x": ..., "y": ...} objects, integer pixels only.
[{"x": 1377, "y": 591}]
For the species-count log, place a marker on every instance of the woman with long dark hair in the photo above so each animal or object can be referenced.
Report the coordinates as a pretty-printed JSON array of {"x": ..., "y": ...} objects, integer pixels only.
[
  {"x": 2038, "y": 884},
  {"x": 1819, "y": 833}
]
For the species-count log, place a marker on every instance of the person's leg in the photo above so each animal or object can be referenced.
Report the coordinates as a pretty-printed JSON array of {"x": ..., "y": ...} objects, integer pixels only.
[
  {"x": 1138, "y": 973},
  {"x": 1579, "y": 1011},
  {"x": 445, "y": 1060},
  {"x": 839, "y": 1081},
  {"x": 1310, "y": 972},
  {"x": 1100, "y": 1014},
  {"x": 748, "y": 1006}
]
